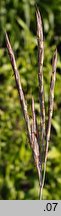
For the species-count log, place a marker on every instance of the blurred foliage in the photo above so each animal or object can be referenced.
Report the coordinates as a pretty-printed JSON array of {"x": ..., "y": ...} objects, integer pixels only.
[{"x": 18, "y": 176}]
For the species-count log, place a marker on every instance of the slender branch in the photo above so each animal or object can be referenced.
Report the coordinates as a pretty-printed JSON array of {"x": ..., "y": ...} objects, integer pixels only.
[
  {"x": 35, "y": 144},
  {"x": 50, "y": 109},
  {"x": 19, "y": 87},
  {"x": 40, "y": 74},
  {"x": 51, "y": 99},
  {"x": 35, "y": 125},
  {"x": 34, "y": 116}
]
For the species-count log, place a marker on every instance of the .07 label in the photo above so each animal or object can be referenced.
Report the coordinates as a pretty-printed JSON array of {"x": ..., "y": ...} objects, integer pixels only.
[{"x": 51, "y": 206}]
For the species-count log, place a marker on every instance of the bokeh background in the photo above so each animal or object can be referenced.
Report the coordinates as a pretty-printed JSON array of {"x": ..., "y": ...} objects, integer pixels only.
[{"x": 18, "y": 176}]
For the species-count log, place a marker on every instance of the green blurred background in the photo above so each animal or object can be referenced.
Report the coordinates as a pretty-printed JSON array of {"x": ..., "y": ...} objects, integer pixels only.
[{"x": 18, "y": 176}]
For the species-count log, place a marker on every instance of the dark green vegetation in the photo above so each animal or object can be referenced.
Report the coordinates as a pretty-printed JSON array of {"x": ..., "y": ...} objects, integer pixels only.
[{"x": 18, "y": 177}]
